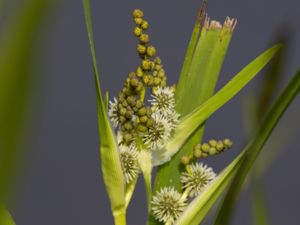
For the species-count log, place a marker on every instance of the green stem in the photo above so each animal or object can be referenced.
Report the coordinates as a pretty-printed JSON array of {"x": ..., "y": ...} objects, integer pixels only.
[
  {"x": 147, "y": 181},
  {"x": 120, "y": 218}
]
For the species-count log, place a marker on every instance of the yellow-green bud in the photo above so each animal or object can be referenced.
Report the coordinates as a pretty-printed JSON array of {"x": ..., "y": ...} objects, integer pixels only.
[
  {"x": 128, "y": 126},
  {"x": 213, "y": 143},
  {"x": 145, "y": 79},
  {"x": 204, "y": 155},
  {"x": 151, "y": 51},
  {"x": 137, "y": 13},
  {"x": 141, "y": 49},
  {"x": 220, "y": 146},
  {"x": 144, "y": 38},
  {"x": 137, "y": 31},
  {"x": 127, "y": 137},
  {"x": 212, "y": 151},
  {"x": 134, "y": 82},
  {"x": 227, "y": 142},
  {"x": 185, "y": 160},
  {"x": 156, "y": 81},
  {"x": 122, "y": 111},
  {"x": 161, "y": 73},
  {"x": 128, "y": 114},
  {"x": 138, "y": 21},
  {"x": 197, "y": 152},
  {"x": 139, "y": 72},
  {"x": 146, "y": 64},
  {"x": 205, "y": 147},
  {"x": 150, "y": 80},
  {"x": 122, "y": 119},
  {"x": 131, "y": 100},
  {"x": 144, "y": 25},
  {"x": 142, "y": 128},
  {"x": 150, "y": 122},
  {"x": 157, "y": 60},
  {"x": 138, "y": 104},
  {"x": 142, "y": 111},
  {"x": 143, "y": 119}
]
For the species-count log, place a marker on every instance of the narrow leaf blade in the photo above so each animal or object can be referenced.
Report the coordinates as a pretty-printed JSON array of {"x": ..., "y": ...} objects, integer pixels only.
[{"x": 110, "y": 161}]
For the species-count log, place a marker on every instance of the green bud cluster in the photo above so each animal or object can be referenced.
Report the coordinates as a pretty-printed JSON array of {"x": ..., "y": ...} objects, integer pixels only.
[
  {"x": 133, "y": 115},
  {"x": 151, "y": 70},
  {"x": 211, "y": 148}
]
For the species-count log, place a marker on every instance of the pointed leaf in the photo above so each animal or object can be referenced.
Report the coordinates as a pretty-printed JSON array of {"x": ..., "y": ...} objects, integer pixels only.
[
  {"x": 110, "y": 160},
  {"x": 5, "y": 217}
]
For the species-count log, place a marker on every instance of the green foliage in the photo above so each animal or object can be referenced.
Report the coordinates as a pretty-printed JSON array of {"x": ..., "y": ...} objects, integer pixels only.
[
  {"x": 5, "y": 217},
  {"x": 110, "y": 160}
]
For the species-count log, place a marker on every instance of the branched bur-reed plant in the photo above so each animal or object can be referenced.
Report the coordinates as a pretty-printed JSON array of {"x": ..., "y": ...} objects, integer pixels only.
[{"x": 164, "y": 129}]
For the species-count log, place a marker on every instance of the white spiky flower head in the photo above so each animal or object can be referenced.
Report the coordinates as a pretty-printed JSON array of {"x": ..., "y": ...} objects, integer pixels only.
[
  {"x": 158, "y": 133},
  {"x": 167, "y": 205},
  {"x": 173, "y": 118},
  {"x": 129, "y": 162},
  {"x": 197, "y": 179},
  {"x": 163, "y": 99},
  {"x": 113, "y": 112}
]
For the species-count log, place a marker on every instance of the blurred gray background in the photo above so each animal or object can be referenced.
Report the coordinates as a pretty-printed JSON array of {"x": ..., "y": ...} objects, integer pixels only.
[{"x": 62, "y": 183}]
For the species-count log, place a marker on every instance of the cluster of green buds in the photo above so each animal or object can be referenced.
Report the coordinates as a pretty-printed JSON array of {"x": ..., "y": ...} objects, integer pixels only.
[
  {"x": 143, "y": 125},
  {"x": 211, "y": 148}
]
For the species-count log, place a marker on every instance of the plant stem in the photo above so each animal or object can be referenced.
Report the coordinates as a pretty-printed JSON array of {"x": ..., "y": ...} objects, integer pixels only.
[{"x": 120, "y": 218}]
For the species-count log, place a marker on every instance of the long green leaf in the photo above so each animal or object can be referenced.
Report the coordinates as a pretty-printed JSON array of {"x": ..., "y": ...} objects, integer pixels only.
[
  {"x": 199, "y": 207},
  {"x": 192, "y": 121},
  {"x": 18, "y": 44},
  {"x": 199, "y": 85},
  {"x": 5, "y": 217},
  {"x": 110, "y": 160},
  {"x": 254, "y": 147}
]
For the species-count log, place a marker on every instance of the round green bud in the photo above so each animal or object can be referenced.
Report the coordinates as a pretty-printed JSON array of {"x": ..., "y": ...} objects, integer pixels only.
[
  {"x": 144, "y": 25},
  {"x": 122, "y": 111},
  {"x": 145, "y": 79},
  {"x": 128, "y": 114},
  {"x": 141, "y": 49},
  {"x": 131, "y": 100},
  {"x": 139, "y": 72},
  {"x": 156, "y": 81},
  {"x": 134, "y": 82},
  {"x": 161, "y": 73},
  {"x": 155, "y": 73},
  {"x": 149, "y": 111},
  {"x": 138, "y": 104},
  {"x": 142, "y": 111},
  {"x": 212, "y": 151},
  {"x": 157, "y": 60},
  {"x": 197, "y": 146},
  {"x": 212, "y": 143},
  {"x": 138, "y": 21},
  {"x": 137, "y": 31},
  {"x": 143, "y": 119},
  {"x": 151, "y": 51},
  {"x": 146, "y": 64},
  {"x": 144, "y": 38},
  {"x": 139, "y": 87},
  {"x": 220, "y": 146},
  {"x": 163, "y": 83},
  {"x": 128, "y": 126},
  {"x": 150, "y": 80},
  {"x": 205, "y": 147},
  {"x": 142, "y": 128},
  {"x": 150, "y": 122},
  {"x": 185, "y": 160},
  {"x": 227, "y": 142},
  {"x": 137, "y": 13},
  {"x": 122, "y": 119},
  {"x": 158, "y": 67},
  {"x": 197, "y": 153},
  {"x": 125, "y": 103}
]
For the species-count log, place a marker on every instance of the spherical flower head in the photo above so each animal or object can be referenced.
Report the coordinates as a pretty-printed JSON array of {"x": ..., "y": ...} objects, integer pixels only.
[
  {"x": 113, "y": 112},
  {"x": 163, "y": 99},
  {"x": 167, "y": 205},
  {"x": 129, "y": 162},
  {"x": 197, "y": 179},
  {"x": 158, "y": 133}
]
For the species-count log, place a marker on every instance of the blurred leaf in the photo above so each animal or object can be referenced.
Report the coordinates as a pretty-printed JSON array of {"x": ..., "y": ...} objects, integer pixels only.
[
  {"x": 198, "y": 84},
  {"x": 254, "y": 147},
  {"x": 192, "y": 121},
  {"x": 17, "y": 46},
  {"x": 5, "y": 217},
  {"x": 110, "y": 160}
]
